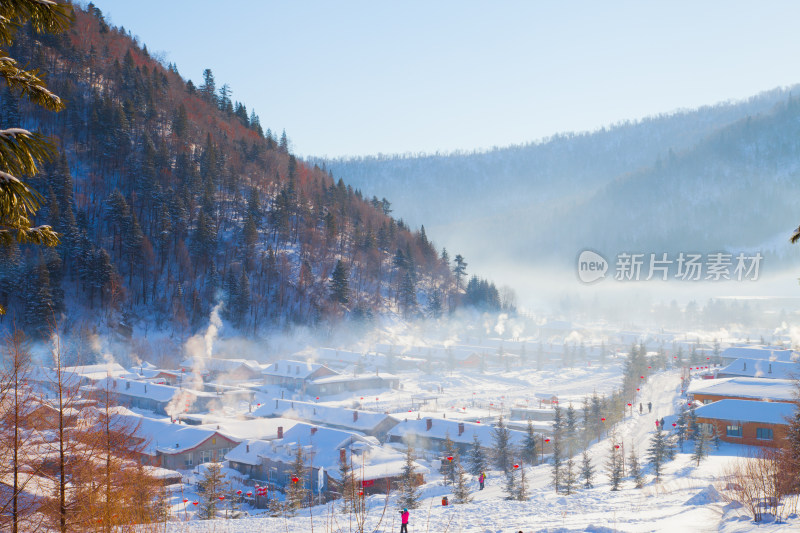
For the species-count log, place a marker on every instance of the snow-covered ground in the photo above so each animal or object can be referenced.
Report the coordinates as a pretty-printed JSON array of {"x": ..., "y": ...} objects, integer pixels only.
[{"x": 684, "y": 500}]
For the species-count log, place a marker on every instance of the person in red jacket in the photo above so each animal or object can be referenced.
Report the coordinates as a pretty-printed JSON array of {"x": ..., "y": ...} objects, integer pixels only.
[
  {"x": 404, "y": 521},
  {"x": 482, "y": 479}
]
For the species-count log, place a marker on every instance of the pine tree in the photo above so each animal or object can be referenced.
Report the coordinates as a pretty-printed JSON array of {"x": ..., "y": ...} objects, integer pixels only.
[
  {"x": 657, "y": 452},
  {"x": 681, "y": 425},
  {"x": 571, "y": 430},
  {"x": 510, "y": 487},
  {"x": 22, "y": 152},
  {"x": 459, "y": 270},
  {"x": 340, "y": 290},
  {"x": 501, "y": 437},
  {"x": 296, "y": 492},
  {"x": 449, "y": 461},
  {"x": 530, "y": 451},
  {"x": 557, "y": 475},
  {"x": 461, "y": 493},
  {"x": 635, "y": 470},
  {"x": 570, "y": 477},
  {"x": 211, "y": 486},
  {"x": 614, "y": 465},
  {"x": 409, "y": 493},
  {"x": 39, "y": 311},
  {"x": 477, "y": 459},
  {"x": 522, "y": 488},
  {"x": 699, "y": 447},
  {"x": 587, "y": 470}
]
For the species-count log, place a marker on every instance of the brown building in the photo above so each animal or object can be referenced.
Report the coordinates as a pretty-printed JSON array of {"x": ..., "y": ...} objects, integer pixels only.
[{"x": 753, "y": 423}]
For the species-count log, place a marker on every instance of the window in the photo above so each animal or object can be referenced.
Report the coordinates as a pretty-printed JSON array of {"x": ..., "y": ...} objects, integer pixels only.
[
  {"x": 187, "y": 460},
  {"x": 707, "y": 401},
  {"x": 733, "y": 430},
  {"x": 205, "y": 456},
  {"x": 764, "y": 433}
]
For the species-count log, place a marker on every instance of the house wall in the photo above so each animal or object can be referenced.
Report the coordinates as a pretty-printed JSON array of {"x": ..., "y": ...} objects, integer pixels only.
[
  {"x": 215, "y": 447},
  {"x": 748, "y": 437}
]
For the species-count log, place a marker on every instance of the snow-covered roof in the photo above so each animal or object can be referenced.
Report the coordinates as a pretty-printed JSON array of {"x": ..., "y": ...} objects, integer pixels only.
[
  {"x": 258, "y": 428},
  {"x": 293, "y": 369},
  {"x": 761, "y": 368},
  {"x": 143, "y": 389},
  {"x": 756, "y": 388},
  {"x": 347, "y": 378},
  {"x": 747, "y": 411},
  {"x": 766, "y": 353},
  {"x": 96, "y": 372},
  {"x": 162, "y": 436},
  {"x": 441, "y": 427},
  {"x": 249, "y": 452},
  {"x": 322, "y": 414},
  {"x": 217, "y": 365}
]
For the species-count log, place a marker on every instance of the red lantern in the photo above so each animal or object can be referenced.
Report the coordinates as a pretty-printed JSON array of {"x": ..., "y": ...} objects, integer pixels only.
[
  {"x": 361, "y": 493},
  {"x": 195, "y": 503},
  {"x": 637, "y": 390},
  {"x": 238, "y": 492},
  {"x": 516, "y": 466},
  {"x": 641, "y": 377},
  {"x": 376, "y": 399},
  {"x": 616, "y": 446},
  {"x": 477, "y": 421},
  {"x": 295, "y": 479},
  {"x": 674, "y": 424},
  {"x": 362, "y": 397},
  {"x": 649, "y": 367},
  {"x": 603, "y": 419},
  {"x": 629, "y": 405},
  {"x": 317, "y": 397},
  {"x": 185, "y": 500},
  {"x": 221, "y": 498},
  {"x": 450, "y": 458},
  {"x": 708, "y": 359},
  {"x": 249, "y": 494},
  {"x": 547, "y": 440}
]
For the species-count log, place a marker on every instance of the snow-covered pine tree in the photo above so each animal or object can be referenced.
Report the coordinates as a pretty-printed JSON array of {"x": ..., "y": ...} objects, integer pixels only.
[
  {"x": 461, "y": 493},
  {"x": 512, "y": 485},
  {"x": 211, "y": 486},
  {"x": 700, "y": 450},
  {"x": 409, "y": 494},
  {"x": 570, "y": 477},
  {"x": 522, "y": 489},
  {"x": 557, "y": 466},
  {"x": 681, "y": 425},
  {"x": 530, "y": 452},
  {"x": 693, "y": 428},
  {"x": 657, "y": 453},
  {"x": 501, "y": 437},
  {"x": 477, "y": 459},
  {"x": 296, "y": 491},
  {"x": 571, "y": 430},
  {"x": 635, "y": 470},
  {"x": 448, "y": 468},
  {"x": 614, "y": 465},
  {"x": 587, "y": 470}
]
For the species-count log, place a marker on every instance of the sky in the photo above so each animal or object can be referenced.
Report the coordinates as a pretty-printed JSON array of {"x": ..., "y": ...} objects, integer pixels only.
[{"x": 351, "y": 78}]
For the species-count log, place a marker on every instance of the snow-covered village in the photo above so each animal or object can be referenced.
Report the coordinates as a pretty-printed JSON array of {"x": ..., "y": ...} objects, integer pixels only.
[{"x": 399, "y": 267}]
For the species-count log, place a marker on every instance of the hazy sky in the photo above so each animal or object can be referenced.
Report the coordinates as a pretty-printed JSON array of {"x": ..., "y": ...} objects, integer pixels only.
[{"x": 357, "y": 78}]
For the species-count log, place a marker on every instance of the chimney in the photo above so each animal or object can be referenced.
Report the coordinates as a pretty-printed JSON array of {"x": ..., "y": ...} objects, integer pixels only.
[
  {"x": 770, "y": 368},
  {"x": 280, "y": 432},
  {"x": 460, "y": 428},
  {"x": 276, "y": 403},
  {"x": 428, "y": 424},
  {"x": 355, "y": 416},
  {"x": 145, "y": 387},
  {"x": 342, "y": 455},
  {"x": 313, "y": 430},
  {"x": 247, "y": 446}
]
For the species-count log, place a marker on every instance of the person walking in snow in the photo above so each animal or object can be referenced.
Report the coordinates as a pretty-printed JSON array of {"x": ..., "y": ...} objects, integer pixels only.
[
  {"x": 482, "y": 479},
  {"x": 640, "y": 408},
  {"x": 649, "y": 407},
  {"x": 404, "y": 521}
]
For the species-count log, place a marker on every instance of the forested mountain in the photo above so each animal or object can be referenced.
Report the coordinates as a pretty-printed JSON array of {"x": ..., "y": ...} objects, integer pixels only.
[
  {"x": 689, "y": 180},
  {"x": 171, "y": 198}
]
